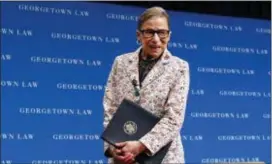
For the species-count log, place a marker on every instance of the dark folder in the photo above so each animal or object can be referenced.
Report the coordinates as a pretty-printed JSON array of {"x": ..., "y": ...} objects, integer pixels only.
[{"x": 131, "y": 122}]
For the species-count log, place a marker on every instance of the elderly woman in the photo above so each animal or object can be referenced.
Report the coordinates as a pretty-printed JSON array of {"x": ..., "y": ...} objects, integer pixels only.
[{"x": 163, "y": 83}]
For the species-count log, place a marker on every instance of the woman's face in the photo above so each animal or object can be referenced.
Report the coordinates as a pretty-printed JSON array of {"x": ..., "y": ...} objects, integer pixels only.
[{"x": 154, "y": 36}]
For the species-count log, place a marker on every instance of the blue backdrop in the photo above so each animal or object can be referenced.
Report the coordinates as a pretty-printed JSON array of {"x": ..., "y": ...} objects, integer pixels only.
[{"x": 56, "y": 57}]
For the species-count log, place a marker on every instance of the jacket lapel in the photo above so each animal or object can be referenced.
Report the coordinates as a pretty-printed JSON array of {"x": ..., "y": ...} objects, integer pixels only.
[
  {"x": 157, "y": 70},
  {"x": 132, "y": 66}
]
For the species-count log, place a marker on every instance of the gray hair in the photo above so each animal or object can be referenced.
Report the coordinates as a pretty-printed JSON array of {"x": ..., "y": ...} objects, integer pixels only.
[{"x": 150, "y": 13}]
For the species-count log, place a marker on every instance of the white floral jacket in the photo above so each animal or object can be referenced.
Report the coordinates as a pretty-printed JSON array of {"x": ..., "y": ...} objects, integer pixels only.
[{"x": 164, "y": 93}]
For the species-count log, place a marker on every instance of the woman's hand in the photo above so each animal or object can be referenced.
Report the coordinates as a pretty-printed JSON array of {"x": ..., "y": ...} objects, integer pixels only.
[
  {"x": 134, "y": 147},
  {"x": 121, "y": 157}
]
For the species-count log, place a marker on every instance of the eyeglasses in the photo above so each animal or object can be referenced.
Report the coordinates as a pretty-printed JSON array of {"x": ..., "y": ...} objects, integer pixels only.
[{"x": 150, "y": 33}]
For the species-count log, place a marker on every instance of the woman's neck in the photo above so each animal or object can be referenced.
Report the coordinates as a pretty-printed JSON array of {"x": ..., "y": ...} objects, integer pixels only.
[{"x": 145, "y": 56}]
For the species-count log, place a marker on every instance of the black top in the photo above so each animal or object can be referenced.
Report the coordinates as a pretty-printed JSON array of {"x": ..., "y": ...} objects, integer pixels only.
[{"x": 145, "y": 65}]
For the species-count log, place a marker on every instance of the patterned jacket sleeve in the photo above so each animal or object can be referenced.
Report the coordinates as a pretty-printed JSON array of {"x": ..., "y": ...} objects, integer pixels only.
[
  {"x": 109, "y": 102},
  {"x": 170, "y": 124}
]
